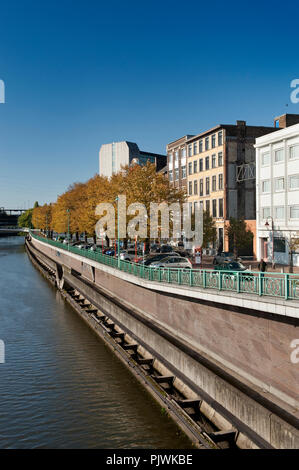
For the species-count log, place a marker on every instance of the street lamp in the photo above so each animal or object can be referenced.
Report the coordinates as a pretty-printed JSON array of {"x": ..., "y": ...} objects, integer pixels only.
[
  {"x": 68, "y": 228},
  {"x": 118, "y": 257},
  {"x": 272, "y": 228}
]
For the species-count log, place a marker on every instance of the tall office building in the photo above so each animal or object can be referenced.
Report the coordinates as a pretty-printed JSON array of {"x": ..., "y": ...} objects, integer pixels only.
[{"x": 117, "y": 154}]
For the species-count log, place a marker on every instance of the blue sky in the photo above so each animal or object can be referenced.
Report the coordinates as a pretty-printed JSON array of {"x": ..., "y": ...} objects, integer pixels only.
[{"x": 80, "y": 74}]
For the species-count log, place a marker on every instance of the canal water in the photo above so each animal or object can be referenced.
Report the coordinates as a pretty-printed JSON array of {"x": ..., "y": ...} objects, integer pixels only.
[{"x": 60, "y": 386}]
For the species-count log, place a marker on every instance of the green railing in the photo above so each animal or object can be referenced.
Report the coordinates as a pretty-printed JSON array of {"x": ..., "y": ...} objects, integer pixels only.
[{"x": 281, "y": 285}]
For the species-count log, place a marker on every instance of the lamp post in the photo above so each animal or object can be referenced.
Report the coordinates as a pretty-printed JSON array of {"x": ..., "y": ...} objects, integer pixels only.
[
  {"x": 118, "y": 257},
  {"x": 272, "y": 228},
  {"x": 68, "y": 229}
]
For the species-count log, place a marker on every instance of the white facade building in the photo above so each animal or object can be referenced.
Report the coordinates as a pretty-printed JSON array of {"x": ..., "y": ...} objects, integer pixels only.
[{"x": 277, "y": 196}]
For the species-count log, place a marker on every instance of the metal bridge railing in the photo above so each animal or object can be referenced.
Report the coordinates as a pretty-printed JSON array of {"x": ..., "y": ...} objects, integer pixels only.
[{"x": 285, "y": 286}]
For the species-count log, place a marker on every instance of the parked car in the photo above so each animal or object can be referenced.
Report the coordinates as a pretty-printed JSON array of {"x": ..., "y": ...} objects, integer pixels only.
[
  {"x": 148, "y": 260},
  {"x": 84, "y": 246},
  {"x": 130, "y": 254},
  {"x": 173, "y": 262},
  {"x": 225, "y": 256},
  {"x": 233, "y": 267},
  {"x": 110, "y": 252},
  {"x": 184, "y": 253},
  {"x": 166, "y": 249}
]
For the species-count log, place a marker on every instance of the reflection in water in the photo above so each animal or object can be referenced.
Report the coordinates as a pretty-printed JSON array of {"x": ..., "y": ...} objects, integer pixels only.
[{"x": 61, "y": 387}]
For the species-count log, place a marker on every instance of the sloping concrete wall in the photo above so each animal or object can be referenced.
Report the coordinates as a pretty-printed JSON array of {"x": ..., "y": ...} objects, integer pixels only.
[{"x": 240, "y": 353}]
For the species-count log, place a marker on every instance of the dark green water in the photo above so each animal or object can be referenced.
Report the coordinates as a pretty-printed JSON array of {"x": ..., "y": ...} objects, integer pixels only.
[{"x": 60, "y": 386}]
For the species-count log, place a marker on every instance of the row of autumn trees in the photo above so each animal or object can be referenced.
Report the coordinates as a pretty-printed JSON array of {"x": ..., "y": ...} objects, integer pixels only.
[{"x": 74, "y": 210}]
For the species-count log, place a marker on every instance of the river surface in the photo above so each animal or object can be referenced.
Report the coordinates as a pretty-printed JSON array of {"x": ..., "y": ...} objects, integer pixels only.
[{"x": 60, "y": 386}]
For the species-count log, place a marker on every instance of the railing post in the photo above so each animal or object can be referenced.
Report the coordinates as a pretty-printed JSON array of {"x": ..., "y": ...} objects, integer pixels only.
[
  {"x": 286, "y": 286},
  {"x": 180, "y": 276},
  {"x": 168, "y": 275},
  {"x": 191, "y": 278},
  {"x": 220, "y": 280},
  {"x": 204, "y": 279},
  {"x": 238, "y": 282},
  {"x": 261, "y": 283},
  {"x": 160, "y": 274}
]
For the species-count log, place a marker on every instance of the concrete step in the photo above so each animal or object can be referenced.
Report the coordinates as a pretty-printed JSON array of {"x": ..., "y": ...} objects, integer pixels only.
[
  {"x": 220, "y": 436},
  {"x": 164, "y": 379},
  {"x": 189, "y": 403}
]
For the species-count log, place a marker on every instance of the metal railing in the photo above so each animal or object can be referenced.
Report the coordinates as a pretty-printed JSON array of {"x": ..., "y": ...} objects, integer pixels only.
[{"x": 282, "y": 285}]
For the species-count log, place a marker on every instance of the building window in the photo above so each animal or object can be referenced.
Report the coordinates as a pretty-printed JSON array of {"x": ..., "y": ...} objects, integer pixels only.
[
  {"x": 183, "y": 152},
  {"x": 207, "y": 141},
  {"x": 207, "y": 186},
  {"x": 190, "y": 188},
  {"x": 195, "y": 187},
  {"x": 220, "y": 138},
  {"x": 294, "y": 152},
  {"x": 190, "y": 150},
  {"x": 201, "y": 187},
  {"x": 200, "y": 145},
  {"x": 294, "y": 182},
  {"x": 214, "y": 183},
  {"x": 195, "y": 166},
  {"x": 265, "y": 212},
  {"x": 220, "y": 207},
  {"x": 207, "y": 163},
  {"x": 220, "y": 181},
  {"x": 208, "y": 206},
  {"x": 279, "y": 213},
  {"x": 201, "y": 164},
  {"x": 266, "y": 186},
  {"x": 294, "y": 212},
  {"x": 279, "y": 184},
  {"x": 214, "y": 161},
  {"x": 279, "y": 245},
  {"x": 183, "y": 171},
  {"x": 214, "y": 208},
  {"x": 276, "y": 123},
  {"x": 190, "y": 168},
  {"x": 176, "y": 173},
  {"x": 213, "y": 141},
  {"x": 220, "y": 159},
  {"x": 278, "y": 156},
  {"x": 265, "y": 159},
  {"x": 170, "y": 175},
  {"x": 170, "y": 159},
  {"x": 195, "y": 148}
]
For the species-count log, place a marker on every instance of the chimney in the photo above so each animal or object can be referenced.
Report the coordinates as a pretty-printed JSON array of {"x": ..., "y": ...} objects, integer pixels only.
[{"x": 286, "y": 120}]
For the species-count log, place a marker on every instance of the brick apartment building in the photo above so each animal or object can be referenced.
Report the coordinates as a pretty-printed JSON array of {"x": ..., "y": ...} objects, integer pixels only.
[{"x": 217, "y": 168}]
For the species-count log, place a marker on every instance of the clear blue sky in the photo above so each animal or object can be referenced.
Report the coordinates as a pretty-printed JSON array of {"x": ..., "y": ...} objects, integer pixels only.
[{"x": 80, "y": 74}]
